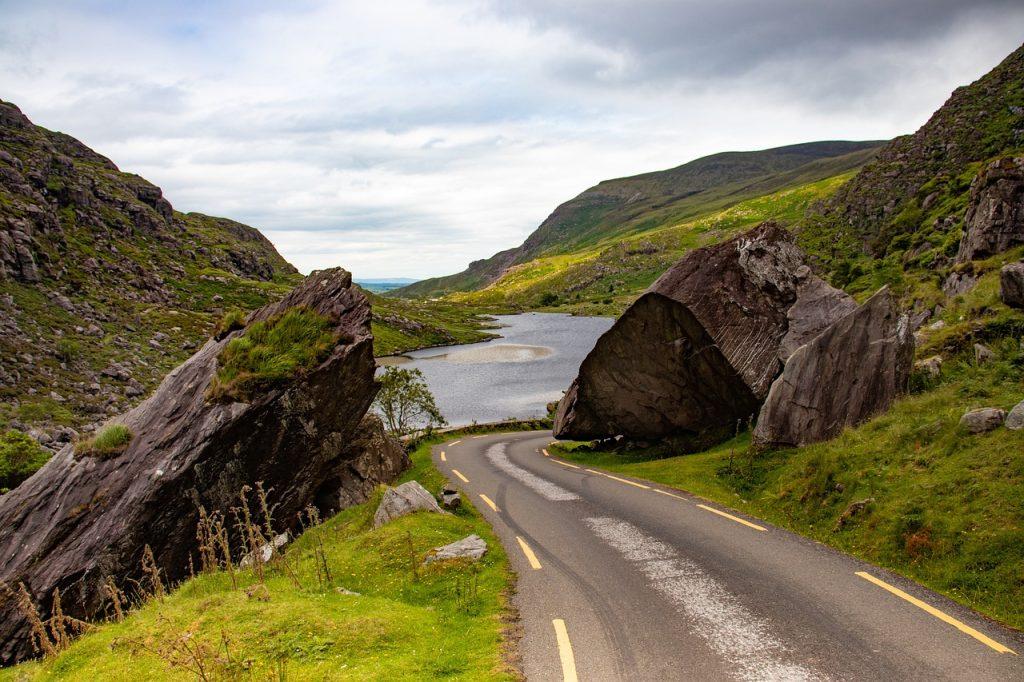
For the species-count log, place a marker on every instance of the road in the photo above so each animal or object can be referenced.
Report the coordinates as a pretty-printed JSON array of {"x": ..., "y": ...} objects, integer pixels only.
[{"x": 622, "y": 579}]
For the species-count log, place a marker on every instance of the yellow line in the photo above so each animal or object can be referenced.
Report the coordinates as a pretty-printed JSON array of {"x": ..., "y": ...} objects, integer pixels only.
[
  {"x": 962, "y": 627},
  {"x": 530, "y": 556},
  {"x": 454, "y": 442},
  {"x": 443, "y": 458},
  {"x": 565, "y": 651},
  {"x": 665, "y": 492},
  {"x": 734, "y": 518},
  {"x": 482, "y": 436},
  {"x": 459, "y": 474},
  {"x": 545, "y": 453},
  {"x": 621, "y": 480},
  {"x": 489, "y": 501},
  {"x": 565, "y": 464}
]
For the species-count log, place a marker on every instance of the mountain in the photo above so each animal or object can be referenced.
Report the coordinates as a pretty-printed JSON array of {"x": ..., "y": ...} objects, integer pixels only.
[
  {"x": 634, "y": 204},
  {"x": 382, "y": 284}
]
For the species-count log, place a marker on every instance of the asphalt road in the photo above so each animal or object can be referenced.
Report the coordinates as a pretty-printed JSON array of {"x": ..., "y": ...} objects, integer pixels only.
[{"x": 627, "y": 580}]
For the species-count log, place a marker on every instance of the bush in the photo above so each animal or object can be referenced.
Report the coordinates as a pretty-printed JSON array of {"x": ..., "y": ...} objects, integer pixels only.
[
  {"x": 233, "y": 319},
  {"x": 549, "y": 298},
  {"x": 110, "y": 441},
  {"x": 270, "y": 352},
  {"x": 20, "y": 457},
  {"x": 68, "y": 350}
]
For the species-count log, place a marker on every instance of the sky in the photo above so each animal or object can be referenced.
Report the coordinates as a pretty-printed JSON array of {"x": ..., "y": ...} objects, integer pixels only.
[{"x": 410, "y": 137}]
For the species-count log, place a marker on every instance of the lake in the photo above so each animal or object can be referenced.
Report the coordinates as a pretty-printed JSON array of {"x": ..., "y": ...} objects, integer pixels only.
[{"x": 533, "y": 363}]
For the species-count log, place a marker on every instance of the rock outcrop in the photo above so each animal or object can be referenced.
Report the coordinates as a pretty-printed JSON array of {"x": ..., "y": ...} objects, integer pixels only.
[
  {"x": 81, "y": 519},
  {"x": 1011, "y": 285},
  {"x": 849, "y": 372},
  {"x": 404, "y": 499},
  {"x": 995, "y": 216},
  {"x": 699, "y": 350}
]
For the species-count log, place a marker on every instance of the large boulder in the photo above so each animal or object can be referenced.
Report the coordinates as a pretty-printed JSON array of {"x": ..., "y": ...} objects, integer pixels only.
[
  {"x": 995, "y": 213},
  {"x": 81, "y": 519},
  {"x": 1011, "y": 284},
  {"x": 402, "y": 500},
  {"x": 983, "y": 419},
  {"x": 699, "y": 350},
  {"x": 849, "y": 372}
]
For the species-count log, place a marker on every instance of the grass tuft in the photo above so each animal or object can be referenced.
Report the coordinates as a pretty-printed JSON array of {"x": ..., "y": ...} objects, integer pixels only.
[{"x": 109, "y": 442}]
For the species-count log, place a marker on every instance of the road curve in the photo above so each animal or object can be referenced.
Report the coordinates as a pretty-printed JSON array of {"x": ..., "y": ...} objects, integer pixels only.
[{"x": 621, "y": 579}]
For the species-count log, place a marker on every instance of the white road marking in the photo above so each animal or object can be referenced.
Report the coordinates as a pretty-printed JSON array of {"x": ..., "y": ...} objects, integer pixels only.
[
  {"x": 739, "y": 636},
  {"x": 541, "y": 486}
]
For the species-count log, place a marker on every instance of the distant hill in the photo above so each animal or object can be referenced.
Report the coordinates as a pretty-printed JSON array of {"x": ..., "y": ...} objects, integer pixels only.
[
  {"x": 630, "y": 205},
  {"x": 382, "y": 284}
]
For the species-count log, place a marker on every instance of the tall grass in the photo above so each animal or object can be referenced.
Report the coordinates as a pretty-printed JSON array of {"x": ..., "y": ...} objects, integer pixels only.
[
  {"x": 110, "y": 441},
  {"x": 271, "y": 352}
]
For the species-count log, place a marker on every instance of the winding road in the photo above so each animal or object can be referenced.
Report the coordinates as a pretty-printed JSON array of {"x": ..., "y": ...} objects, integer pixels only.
[{"x": 621, "y": 579}]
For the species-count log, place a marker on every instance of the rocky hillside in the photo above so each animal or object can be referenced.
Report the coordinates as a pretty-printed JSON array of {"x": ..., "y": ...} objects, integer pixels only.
[{"x": 624, "y": 206}]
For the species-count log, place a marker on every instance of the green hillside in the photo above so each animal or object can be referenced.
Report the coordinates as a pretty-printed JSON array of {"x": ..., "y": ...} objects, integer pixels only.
[{"x": 628, "y": 206}]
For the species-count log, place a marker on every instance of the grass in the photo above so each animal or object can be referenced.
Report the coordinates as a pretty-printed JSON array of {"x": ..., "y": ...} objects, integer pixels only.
[
  {"x": 445, "y": 620},
  {"x": 945, "y": 506},
  {"x": 110, "y": 441},
  {"x": 270, "y": 352}
]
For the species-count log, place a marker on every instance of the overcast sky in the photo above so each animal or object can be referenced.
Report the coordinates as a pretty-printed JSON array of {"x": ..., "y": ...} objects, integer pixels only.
[{"x": 408, "y": 138}]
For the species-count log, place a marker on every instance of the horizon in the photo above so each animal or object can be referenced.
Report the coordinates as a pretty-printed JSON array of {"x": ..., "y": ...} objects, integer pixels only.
[{"x": 410, "y": 143}]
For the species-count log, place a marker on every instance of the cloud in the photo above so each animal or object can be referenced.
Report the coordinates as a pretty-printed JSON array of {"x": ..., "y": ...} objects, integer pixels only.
[{"x": 409, "y": 138}]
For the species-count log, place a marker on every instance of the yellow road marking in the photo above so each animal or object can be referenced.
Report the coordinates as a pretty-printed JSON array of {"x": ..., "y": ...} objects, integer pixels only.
[
  {"x": 565, "y": 464},
  {"x": 459, "y": 474},
  {"x": 545, "y": 453},
  {"x": 530, "y": 556},
  {"x": 454, "y": 442},
  {"x": 489, "y": 501},
  {"x": 734, "y": 518},
  {"x": 620, "y": 480},
  {"x": 443, "y": 458},
  {"x": 962, "y": 627},
  {"x": 565, "y": 651},
  {"x": 665, "y": 492},
  {"x": 482, "y": 436}
]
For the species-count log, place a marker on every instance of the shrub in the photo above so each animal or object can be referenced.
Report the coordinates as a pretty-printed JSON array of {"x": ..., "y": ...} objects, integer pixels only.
[
  {"x": 270, "y": 352},
  {"x": 68, "y": 350},
  {"x": 20, "y": 457},
  {"x": 110, "y": 441},
  {"x": 549, "y": 298},
  {"x": 233, "y": 319}
]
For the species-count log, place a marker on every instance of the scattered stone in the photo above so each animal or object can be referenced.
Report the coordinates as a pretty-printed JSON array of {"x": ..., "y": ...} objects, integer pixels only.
[
  {"x": 266, "y": 552},
  {"x": 217, "y": 298},
  {"x": 57, "y": 397},
  {"x": 1015, "y": 419},
  {"x": 1011, "y": 284},
  {"x": 983, "y": 354},
  {"x": 450, "y": 498},
  {"x": 983, "y": 419},
  {"x": 342, "y": 590},
  {"x": 93, "y": 330},
  {"x": 937, "y": 325},
  {"x": 850, "y": 372},
  {"x": 852, "y": 510},
  {"x": 134, "y": 389},
  {"x": 404, "y": 499},
  {"x": 153, "y": 343},
  {"x": 931, "y": 366},
  {"x": 958, "y": 283},
  {"x": 471, "y": 547}
]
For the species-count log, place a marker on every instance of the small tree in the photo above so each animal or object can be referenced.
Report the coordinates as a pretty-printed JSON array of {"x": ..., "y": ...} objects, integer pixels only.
[{"x": 405, "y": 402}]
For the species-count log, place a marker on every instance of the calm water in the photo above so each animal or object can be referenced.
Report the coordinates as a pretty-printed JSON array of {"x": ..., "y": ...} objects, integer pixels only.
[{"x": 536, "y": 359}]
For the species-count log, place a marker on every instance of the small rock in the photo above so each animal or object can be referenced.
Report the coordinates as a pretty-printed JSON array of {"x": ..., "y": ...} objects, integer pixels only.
[
  {"x": 134, "y": 389},
  {"x": 983, "y": 354},
  {"x": 153, "y": 343},
  {"x": 93, "y": 330},
  {"x": 450, "y": 498},
  {"x": 1015, "y": 420},
  {"x": 342, "y": 590},
  {"x": 931, "y": 366},
  {"x": 852, "y": 510},
  {"x": 41, "y": 437},
  {"x": 471, "y": 547},
  {"x": 266, "y": 552},
  {"x": 404, "y": 499},
  {"x": 259, "y": 592},
  {"x": 57, "y": 397},
  {"x": 937, "y": 325},
  {"x": 217, "y": 298},
  {"x": 982, "y": 420},
  {"x": 1011, "y": 284}
]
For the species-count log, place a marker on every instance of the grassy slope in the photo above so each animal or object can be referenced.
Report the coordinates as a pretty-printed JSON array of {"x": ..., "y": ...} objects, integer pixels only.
[
  {"x": 402, "y": 627},
  {"x": 403, "y": 325},
  {"x": 947, "y": 506},
  {"x": 606, "y": 278}
]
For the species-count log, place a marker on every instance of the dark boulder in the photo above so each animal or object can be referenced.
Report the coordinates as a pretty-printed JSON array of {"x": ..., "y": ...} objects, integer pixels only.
[
  {"x": 699, "y": 350},
  {"x": 81, "y": 519},
  {"x": 1011, "y": 285},
  {"x": 995, "y": 214},
  {"x": 851, "y": 371}
]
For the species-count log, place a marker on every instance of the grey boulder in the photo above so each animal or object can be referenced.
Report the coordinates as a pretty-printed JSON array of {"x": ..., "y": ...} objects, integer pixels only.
[
  {"x": 404, "y": 499},
  {"x": 471, "y": 547},
  {"x": 1015, "y": 419},
  {"x": 1011, "y": 284},
  {"x": 983, "y": 419},
  {"x": 266, "y": 551},
  {"x": 995, "y": 215},
  {"x": 848, "y": 373}
]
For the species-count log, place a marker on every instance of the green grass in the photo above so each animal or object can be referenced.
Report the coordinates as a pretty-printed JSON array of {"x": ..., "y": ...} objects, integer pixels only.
[
  {"x": 271, "y": 351},
  {"x": 110, "y": 441},
  {"x": 401, "y": 325},
  {"x": 20, "y": 457},
  {"x": 444, "y": 621},
  {"x": 947, "y": 506}
]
